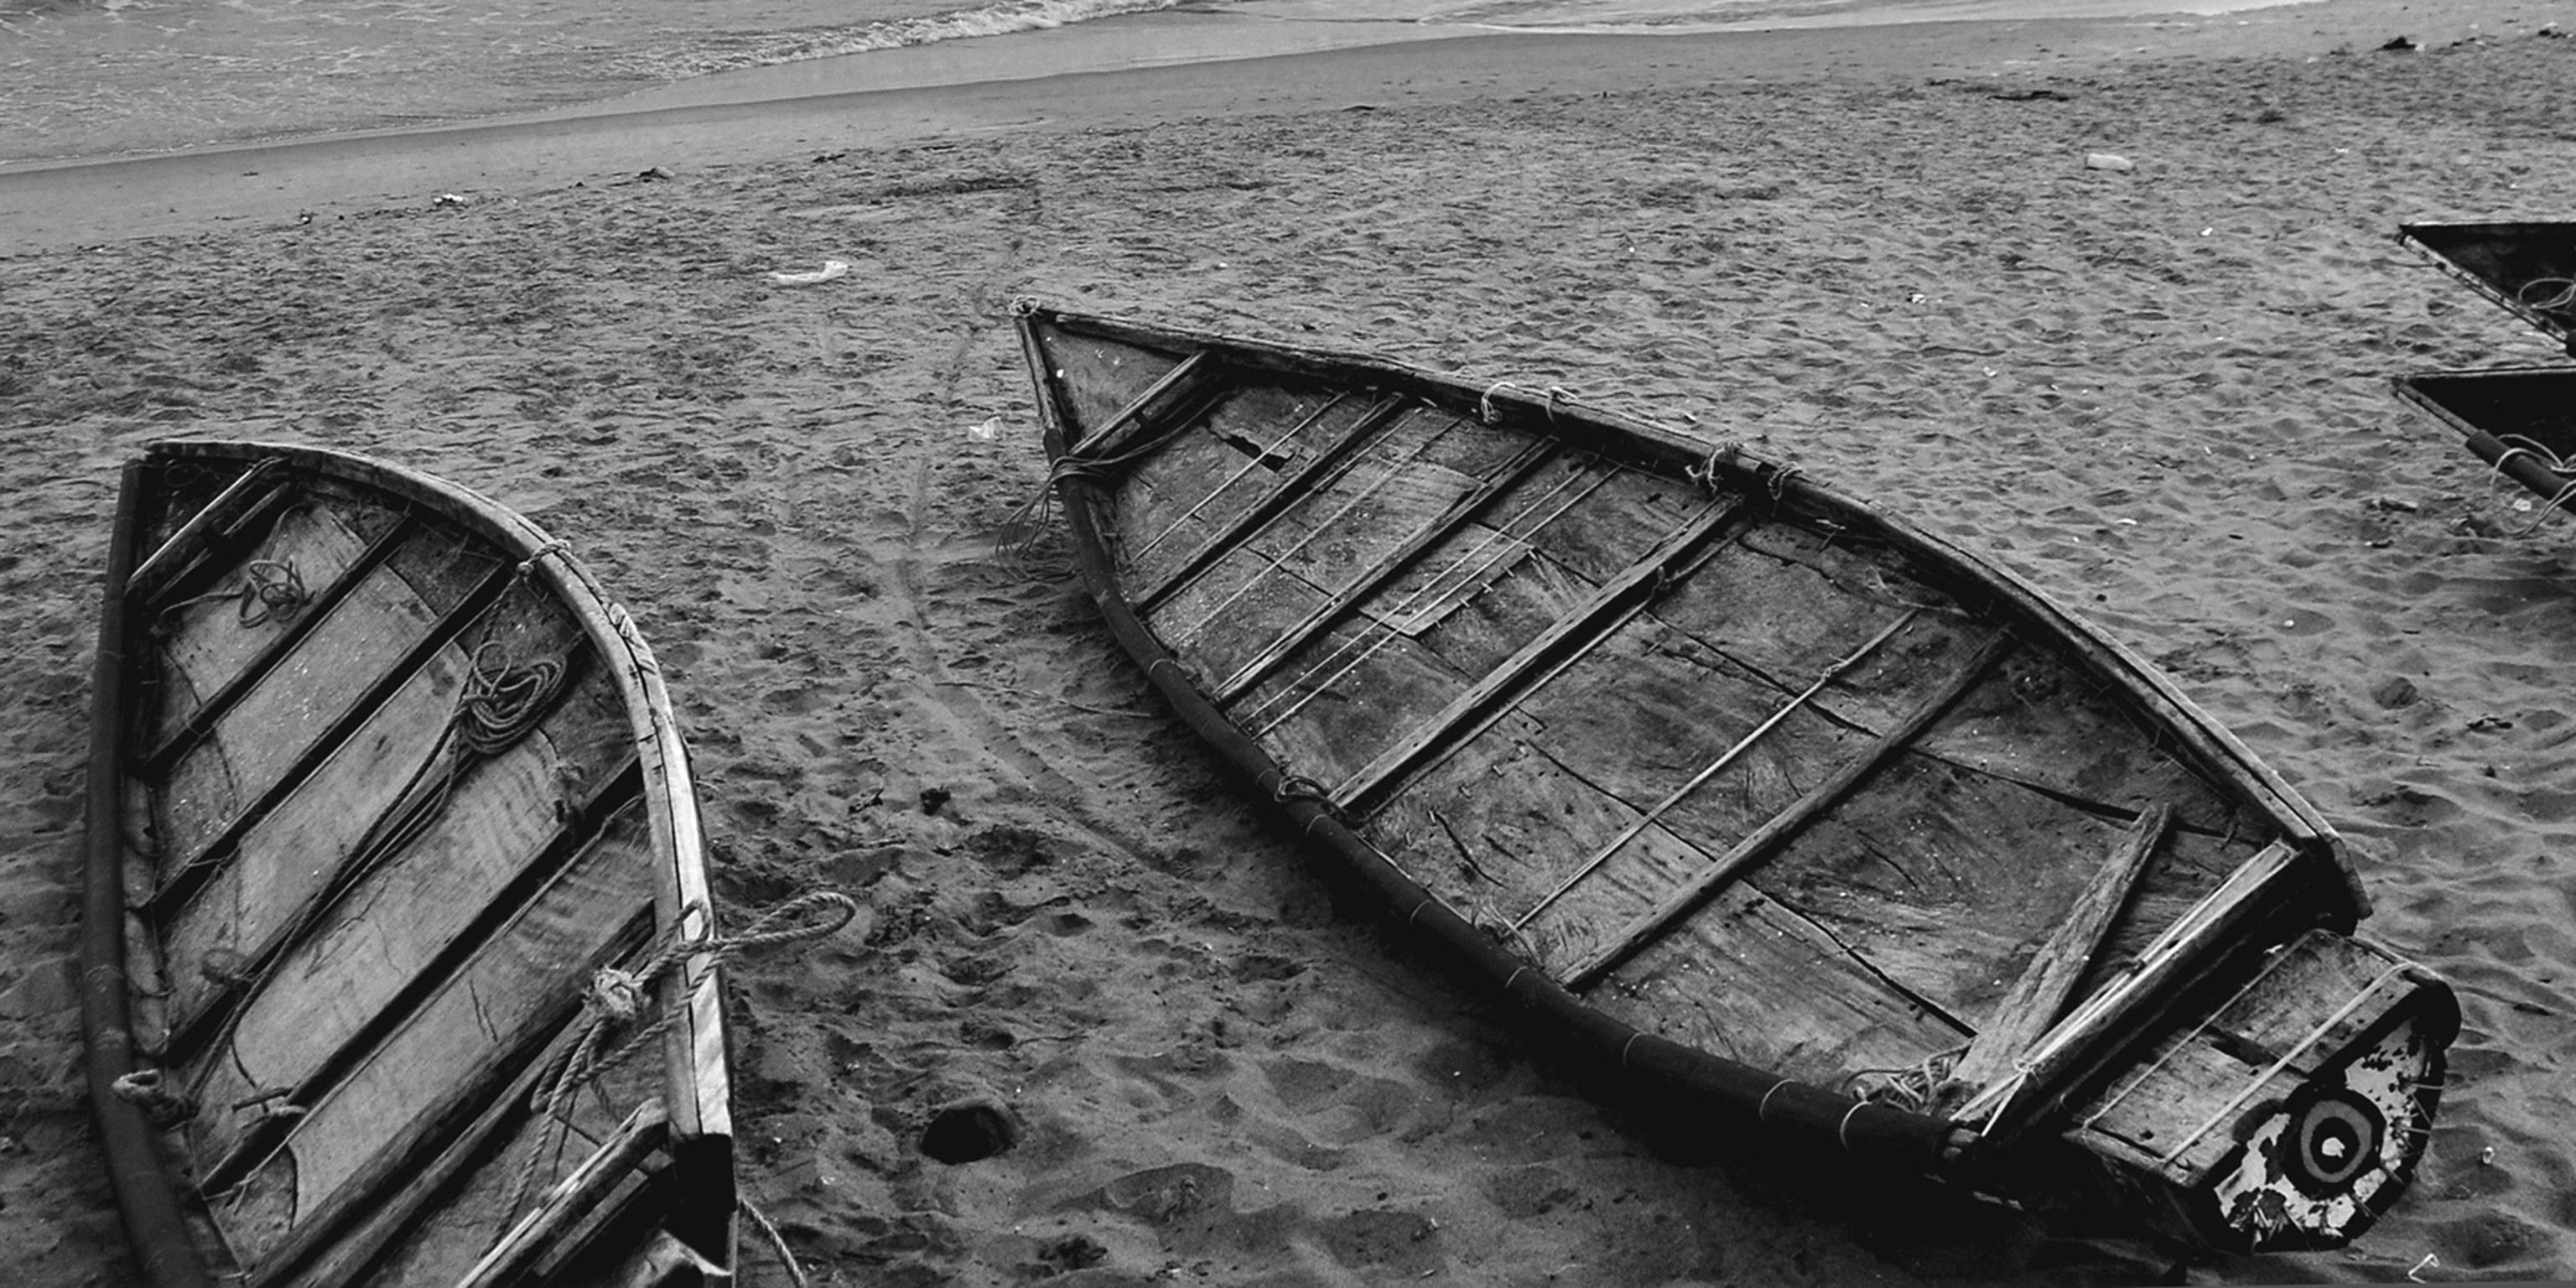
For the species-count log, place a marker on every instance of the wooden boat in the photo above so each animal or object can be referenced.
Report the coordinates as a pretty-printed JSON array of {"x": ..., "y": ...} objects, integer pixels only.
[
  {"x": 381, "y": 786},
  {"x": 2528, "y": 267},
  {"x": 1783, "y": 809},
  {"x": 2521, "y": 420}
]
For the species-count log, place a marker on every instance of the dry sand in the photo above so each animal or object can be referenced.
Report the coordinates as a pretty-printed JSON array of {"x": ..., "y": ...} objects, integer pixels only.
[{"x": 2159, "y": 393}]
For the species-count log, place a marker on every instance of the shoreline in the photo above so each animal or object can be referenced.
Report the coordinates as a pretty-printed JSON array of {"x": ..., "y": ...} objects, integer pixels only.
[{"x": 1138, "y": 67}]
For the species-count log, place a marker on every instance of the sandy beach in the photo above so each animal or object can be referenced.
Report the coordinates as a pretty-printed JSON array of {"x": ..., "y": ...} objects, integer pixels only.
[{"x": 2160, "y": 393}]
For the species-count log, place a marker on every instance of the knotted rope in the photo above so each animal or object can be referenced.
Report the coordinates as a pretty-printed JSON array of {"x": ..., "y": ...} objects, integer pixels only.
[
  {"x": 163, "y": 1105},
  {"x": 270, "y": 590},
  {"x": 616, "y": 999}
]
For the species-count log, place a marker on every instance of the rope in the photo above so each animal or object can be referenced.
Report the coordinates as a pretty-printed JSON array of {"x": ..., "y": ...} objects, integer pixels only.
[
  {"x": 2563, "y": 467},
  {"x": 777, "y": 1241},
  {"x": 2564, "y": 296},
  {"x": 616, "y": 1000},
  {"x": 270, "y": 590},
  {"x": 148, "y": 1090},
  {"x": 501, "y": 703}
]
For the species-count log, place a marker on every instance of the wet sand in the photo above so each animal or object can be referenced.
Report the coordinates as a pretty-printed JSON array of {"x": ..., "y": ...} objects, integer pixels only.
[{"x": 2160, "y": 394}]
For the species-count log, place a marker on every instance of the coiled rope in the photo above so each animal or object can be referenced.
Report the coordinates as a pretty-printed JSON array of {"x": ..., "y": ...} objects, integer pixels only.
[
  {"x": 2562, "y": 293},
  {"x": 616, "y": 1000}
]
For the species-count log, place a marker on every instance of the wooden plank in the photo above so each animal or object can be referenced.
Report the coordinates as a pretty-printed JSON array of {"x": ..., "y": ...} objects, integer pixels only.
[
  {"x": 1440, "y": 529},
  {"x": 2042, "y": 992},
  {"x": 186, "y": 869},
  {"x": 1751, "y": 980},
  {"x": 319, "y": 1027},
  {"x": 255, "y": 490},
  {"x": 272, "y": 729},
  {"x": 1292, "y": 488},
  {"x": 1574, "y": 631},
  {"x": 196, "y": 718},
  {"x": 1085, "y": 381},
  {"x": 1279, "y": 574},
  {"x": 1655, "y": 814},
  {"x": 1255, "y": 452},
  {"x": 203, "y": 647},
  {"x": 2056, "y": 727},
  {"x": 1149, "y": 411},
  {"x": 2061, "y": 1055},
  {"x": 573, "y": 1199},
  {"x": 2314, "y": 999},
  {"x": 447, "y": 1167},
  {"x": 301, "y": 856},
  {"x": 1759, "y": 845},
  {"x": 1456, "y": 619}
]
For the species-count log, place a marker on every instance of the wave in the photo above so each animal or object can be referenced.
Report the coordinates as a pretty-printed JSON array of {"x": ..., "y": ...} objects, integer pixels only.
[{"x": 704, "y": 55}]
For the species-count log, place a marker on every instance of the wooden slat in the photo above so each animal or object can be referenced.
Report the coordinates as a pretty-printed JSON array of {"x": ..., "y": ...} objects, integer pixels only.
[
  {"x": 1150, "y": 410},
  {"x": 2043, "y": 990},
  {"x": 2061, "y": 1054},
  {"x": 200, "y": 645},
  {"x": 1654, "y": 814},
  {"x": 382, "y": 980},
  {"x": 1290, "y": 490},
  {"x": 1577, "y": 630},
  {"x": 202, "y": 719},
  {"x": 268, "y": 734},
  {"x": 256, "y": 490},
  {"x": 1752, "y": 980},
  {"x": 1253, "y": 461},
  {"x": 567, "y": 1203},
  {"x": 1758, "y": 845},
  {"x": 421, "y": 1164},
  {"x": 193, "y": 871},
  {"x": 331, "y": 840},
  {"x": 1440, "y": 529}
]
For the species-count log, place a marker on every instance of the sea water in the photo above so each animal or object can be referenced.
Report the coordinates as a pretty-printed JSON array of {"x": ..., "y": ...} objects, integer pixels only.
[{"x": 91, "y": 78}]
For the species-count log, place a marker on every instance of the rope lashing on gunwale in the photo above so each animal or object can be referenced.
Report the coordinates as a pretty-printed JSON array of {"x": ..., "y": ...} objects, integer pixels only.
[{"x": 617, "y": 998}]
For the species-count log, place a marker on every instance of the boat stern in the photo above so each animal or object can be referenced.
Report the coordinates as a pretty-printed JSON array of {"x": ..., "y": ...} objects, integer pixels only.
[
  {"x": 2316, "y": 1167},
  {"x": 2290, "y": 1115}
]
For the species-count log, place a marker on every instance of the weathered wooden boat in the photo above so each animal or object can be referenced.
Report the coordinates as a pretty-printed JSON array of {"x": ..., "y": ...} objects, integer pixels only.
[
  {"x": 1779, "y": 806},
  {"x": 2529, "y": 266},
  {"x": 394, "y": 853},
  {"x": 2521, "y": 420}
]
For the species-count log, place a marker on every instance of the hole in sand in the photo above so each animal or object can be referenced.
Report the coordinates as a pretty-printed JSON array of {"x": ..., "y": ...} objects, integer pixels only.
[{"x": 965, "y": 1133}]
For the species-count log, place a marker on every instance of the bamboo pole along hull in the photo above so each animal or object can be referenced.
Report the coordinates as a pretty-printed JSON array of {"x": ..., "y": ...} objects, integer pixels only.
[
  {"x": 1769, "y": 800},
  {"x": 381, "y": 781}
]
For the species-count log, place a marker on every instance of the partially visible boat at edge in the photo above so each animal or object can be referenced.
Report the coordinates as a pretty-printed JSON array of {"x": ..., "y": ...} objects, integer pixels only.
[
  {"x": 2526, "y": 266},
  {"x": 1781, "y": 809},
  {"x": 383, "y": 793},
  {"x": 2520, "y": 420}
]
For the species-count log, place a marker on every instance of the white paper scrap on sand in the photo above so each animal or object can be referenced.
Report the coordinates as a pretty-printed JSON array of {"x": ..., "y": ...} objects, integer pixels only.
[{"x": 831, "y": 268}]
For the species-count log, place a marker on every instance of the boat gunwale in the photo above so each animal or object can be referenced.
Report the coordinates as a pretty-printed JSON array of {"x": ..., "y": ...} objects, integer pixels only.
[{"x": 696, "y": 1077}]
